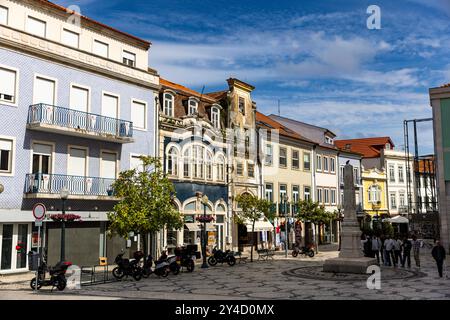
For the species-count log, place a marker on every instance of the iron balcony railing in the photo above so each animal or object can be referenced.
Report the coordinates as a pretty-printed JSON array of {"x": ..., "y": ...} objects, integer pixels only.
[
  {"x": 76, "y": 185},
  {"x": 73, "y": 119}
]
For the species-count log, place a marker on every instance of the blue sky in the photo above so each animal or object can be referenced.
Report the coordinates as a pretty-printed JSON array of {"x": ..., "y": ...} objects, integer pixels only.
[{"x": 317, "y": 57}]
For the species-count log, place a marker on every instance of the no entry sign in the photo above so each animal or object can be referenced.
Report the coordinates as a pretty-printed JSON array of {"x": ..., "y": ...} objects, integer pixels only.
[{"x": 39, "y": 210}]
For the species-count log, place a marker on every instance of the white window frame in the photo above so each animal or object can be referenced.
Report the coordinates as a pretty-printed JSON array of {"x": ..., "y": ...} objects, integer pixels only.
[
  {"x": 270, "y": 191},
  {"x": 72, "y": 85},
  {"x": 306, "y": 193},
  {"x": 145, "y": 114},
  {"x": 189, "y": 106},
  {"x": 326, "y": 160},
  {"x": 172, "y": 100},
  {"x": 319, "y": 162},
  {"x": 32, "y": 142},
  {"x": 7, "y": 14},
  {"x": 124, "y": 52},
  {"x": 393, "y": 200},
  {"x": 333, "y": 196},
  {"x": 100, "y": 162},
  {"x": 320, "y": 195},
  {"x": 268, "y": 146},
  {"x": 37, "y": 75},
  {"x": 215, "y": 117},
  {"x": 279, "y": 157},
  {"x": 298, "y": 159},
  {"x": 401, "y": 174},
  {"x": 303, "y": 162},
  {"x": 70, "y": 146},
  {"x": 326, "y": 196},
  {"x": 12, "y": 156},
  {"x": 112, "y": 94},
  {"x": 97, "y": 54},
  {"x": 15, "y": 103},
  {"x": 295, "y": 193},
  {"x": 39, "y": 20},
  {"x": 332, "y": 164},
  {"x": 73, "y": 32}
]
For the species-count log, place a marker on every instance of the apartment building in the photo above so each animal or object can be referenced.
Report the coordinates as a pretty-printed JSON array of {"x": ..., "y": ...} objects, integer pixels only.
[{"x": 77, "y": 102}]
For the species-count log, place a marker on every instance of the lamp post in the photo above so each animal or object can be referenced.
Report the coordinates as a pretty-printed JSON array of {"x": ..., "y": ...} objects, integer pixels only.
[
  {"x": 64, "y": 194},
  {"x": 204, "y": 202}
]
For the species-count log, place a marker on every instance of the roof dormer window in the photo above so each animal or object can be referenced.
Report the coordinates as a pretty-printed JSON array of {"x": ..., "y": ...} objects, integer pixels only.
[
  {"x": 215, "y": 117},
  {"x": 168, "y": 104},
  {"x": 328, "y": 140},
  {"x": 192, "y": 107}
]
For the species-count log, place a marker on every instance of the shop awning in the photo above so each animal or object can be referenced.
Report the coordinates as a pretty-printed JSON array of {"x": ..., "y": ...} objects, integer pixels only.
[
  {"x": 259, "y": 226},
  {"x": 197, "y": 226},
  {"x": 398, "y": 219},
  {"x": 193, "y": 226}
]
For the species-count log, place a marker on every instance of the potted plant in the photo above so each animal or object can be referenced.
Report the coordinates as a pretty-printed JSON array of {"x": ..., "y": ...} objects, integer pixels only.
[
  {"x": 208, "y": 218},
  {"x": 110, "y": 191},
  {"x": 65, "y": 217}
]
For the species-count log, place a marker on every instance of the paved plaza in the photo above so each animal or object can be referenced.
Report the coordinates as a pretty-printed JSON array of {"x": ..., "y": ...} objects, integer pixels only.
[{"x": 281, "y": 278}]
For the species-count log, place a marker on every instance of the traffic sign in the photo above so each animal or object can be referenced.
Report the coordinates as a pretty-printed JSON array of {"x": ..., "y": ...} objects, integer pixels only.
[{"x": 39, "y": 211}]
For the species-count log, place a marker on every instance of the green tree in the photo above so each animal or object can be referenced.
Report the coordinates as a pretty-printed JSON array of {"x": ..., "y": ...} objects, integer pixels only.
[
  {"x": 252, "y": 209},
  {"x": 309, "y": 211},
  {"x": 146, "y": 204}
]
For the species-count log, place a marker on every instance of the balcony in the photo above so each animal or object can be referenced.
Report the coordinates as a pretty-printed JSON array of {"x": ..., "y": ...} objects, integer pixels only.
[
  {"x": 39, "y": 185},
  {"x": 44, "y": 117}
]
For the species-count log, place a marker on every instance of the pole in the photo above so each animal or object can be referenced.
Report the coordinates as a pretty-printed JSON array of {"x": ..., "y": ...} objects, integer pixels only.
[
  {"x": 63, "y": 232},
  {"x": 204, "y": 265},
  {"x": 285, "y": 229},
  {"x": 39, "y": 259}
]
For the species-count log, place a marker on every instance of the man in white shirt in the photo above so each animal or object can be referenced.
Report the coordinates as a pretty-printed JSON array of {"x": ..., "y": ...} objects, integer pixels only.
[
  {"x": 397, "y": 251},
  {"x": 388, "y": 248},
  {"x": 376, "y": 246}
]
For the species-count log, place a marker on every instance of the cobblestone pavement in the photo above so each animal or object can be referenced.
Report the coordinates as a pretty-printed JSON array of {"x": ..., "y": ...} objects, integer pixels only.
[{"x": 274, "y": 279}]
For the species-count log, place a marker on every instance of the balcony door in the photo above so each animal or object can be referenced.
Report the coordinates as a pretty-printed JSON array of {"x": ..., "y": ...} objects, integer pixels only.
[
  {"x": 42, "y": 167},
  {"x": 110, "y": 109},
  {"x": 108, "y": 170},
  {"x": 77, "y": 170},
  {"x": 79, "y": 102},
  {"x": 44, "y": 91}
]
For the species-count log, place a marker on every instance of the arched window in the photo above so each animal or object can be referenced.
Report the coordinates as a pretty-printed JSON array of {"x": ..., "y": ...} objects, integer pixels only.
[
  {"x": 191, "y": 206},
  {"x": 172, "y": 161},
  {"x": 168, "y": 104},
  {"x": 221, "y": 168},
  {"x": 192, "y": 107},
  {"x": 374, "y": 193},
  {"x": 198, "y": 154},
  {"x": 220, "y": 208},
  {"x": 215, "y": 117},
  {"x": 209, "y": 174},
  {"x": 186, "y": 163}
]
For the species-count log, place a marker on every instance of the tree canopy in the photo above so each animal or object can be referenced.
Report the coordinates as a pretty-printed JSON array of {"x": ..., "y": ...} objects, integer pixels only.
[{"x": 146, "y": 204}]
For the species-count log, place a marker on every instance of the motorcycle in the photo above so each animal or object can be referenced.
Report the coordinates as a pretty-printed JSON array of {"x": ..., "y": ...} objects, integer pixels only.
[
  {"x": 57, "y": 276},
  {"x": 304, "y": 250},
  {"x": 186, "y": 258},
  {"x": 126, "y": 267},
  {"x": 161, "y": 267},
  {"x": 220, "y": 256}
]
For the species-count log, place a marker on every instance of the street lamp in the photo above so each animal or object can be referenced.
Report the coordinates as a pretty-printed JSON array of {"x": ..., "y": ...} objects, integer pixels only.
[
  {"x": 64, "y": 194},
  {"x": 205, "y": 203}
]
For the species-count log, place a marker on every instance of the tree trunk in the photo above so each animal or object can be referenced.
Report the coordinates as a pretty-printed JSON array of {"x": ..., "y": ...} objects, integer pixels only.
[{"x": 253, "y": 240}]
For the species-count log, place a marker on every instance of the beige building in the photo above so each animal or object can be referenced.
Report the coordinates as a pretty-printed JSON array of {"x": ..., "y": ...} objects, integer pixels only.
[{"x": 287, "y": 173}]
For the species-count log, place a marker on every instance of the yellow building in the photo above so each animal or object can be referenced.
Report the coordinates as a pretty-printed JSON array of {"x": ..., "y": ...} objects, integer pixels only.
[{"x": 374, "y": 183}]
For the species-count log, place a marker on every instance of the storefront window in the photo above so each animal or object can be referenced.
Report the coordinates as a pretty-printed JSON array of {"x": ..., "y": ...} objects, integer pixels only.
[
  {"x": 22, "y": 241},
  {"x": 7, "y": 238}
]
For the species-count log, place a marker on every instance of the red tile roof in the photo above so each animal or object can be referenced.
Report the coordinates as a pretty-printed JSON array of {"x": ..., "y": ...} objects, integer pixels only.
[
  {"x": 445, "y": 85},
  {"x": 179, "y": 87},
  {"x": 367, "y": 147},
  {"x": 61, "y": 8},
  {"x": 268, "y": 123}
]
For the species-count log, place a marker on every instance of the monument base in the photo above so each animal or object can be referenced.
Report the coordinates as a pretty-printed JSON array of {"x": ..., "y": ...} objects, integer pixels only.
[{"x": 348, "y": 265}]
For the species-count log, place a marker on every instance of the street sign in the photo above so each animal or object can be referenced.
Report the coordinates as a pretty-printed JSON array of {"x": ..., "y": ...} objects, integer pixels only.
[
  {"x": 39, "y": 210},
  {"x": 38, "y": 223}
]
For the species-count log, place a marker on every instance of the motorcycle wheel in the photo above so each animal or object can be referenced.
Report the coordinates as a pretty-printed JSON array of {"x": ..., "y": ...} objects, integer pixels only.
[
  {"x": 164, "y": 273},
  {"x": 190, "y": 266},
  {"x": 118, "y": 273},
  {"x": 146, "y": 272},
  {"x": 176, "y": 269},
  {"x": 33, "y": 284},
  {"x": 61, "y": 284},
  {"x": 212, "y": 261},
  {"x": 231, "y": 261},
  {"x": 311, "y": 254},
  {"x": 294, "y": 253},
  {"x": 137, "y": 275}
]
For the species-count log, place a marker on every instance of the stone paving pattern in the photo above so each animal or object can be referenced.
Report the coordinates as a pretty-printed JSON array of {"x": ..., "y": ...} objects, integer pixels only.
[{"x": 273, "y": 279}]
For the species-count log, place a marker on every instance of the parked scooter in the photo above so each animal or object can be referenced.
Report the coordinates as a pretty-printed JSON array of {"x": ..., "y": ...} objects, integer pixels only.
[
  {"x": 126, "y": 267},
  {"x": 303, "y": 250},
  {"x": 161, "y": 267},
  {"x": 220, "y": 257},
  {"x": 57, "y": 276}
]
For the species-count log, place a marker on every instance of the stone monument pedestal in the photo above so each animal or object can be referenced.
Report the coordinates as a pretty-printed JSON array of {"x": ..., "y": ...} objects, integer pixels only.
[
  {"x": 351, "y": 259},
  {"x": 348, "y": 265}
]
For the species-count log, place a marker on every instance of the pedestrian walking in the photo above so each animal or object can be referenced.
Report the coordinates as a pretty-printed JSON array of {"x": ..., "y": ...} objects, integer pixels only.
[
  {"x": 438, "y": 254},
  {"x": 397, "y": 251},
  {"x": 407, "y": 246},
  {"x": 388, "y": 250},
  {"x": 376, "y": 246},
  {"x": 416, "y": 250}
]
